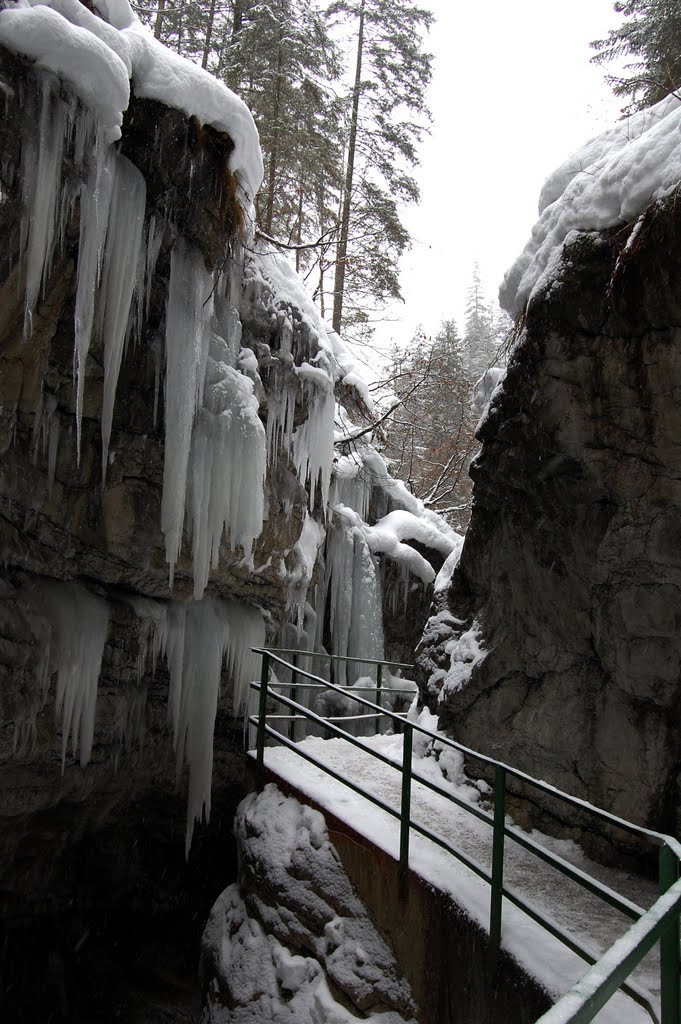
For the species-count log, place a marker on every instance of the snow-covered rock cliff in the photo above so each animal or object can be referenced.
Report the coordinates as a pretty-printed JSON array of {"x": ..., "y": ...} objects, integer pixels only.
[
  {"x": 167, "y": 419},
  {"x": 556, "y": 646}
]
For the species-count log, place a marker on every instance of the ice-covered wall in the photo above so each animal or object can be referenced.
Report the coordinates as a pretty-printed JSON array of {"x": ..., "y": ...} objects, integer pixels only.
[{"x": 167, "y": 404}]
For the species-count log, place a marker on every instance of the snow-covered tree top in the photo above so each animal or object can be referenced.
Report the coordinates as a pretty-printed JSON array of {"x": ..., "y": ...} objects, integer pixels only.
[
  {"x": 103, "y": 57},
  {"x": 609, "y": 181}
]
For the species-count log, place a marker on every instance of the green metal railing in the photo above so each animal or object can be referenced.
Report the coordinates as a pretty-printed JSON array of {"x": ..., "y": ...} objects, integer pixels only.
[{"x": 607, "y": 974}]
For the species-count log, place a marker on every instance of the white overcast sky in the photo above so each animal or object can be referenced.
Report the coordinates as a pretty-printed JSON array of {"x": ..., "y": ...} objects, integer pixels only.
[{"x": 513, "y": 93}]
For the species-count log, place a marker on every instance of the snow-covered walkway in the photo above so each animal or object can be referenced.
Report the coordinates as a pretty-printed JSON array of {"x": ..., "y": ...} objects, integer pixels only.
[{"x": 593, "y": 923}]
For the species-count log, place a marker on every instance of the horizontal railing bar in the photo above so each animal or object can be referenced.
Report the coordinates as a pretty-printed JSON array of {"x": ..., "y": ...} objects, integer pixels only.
[
  {"x": 332, "y": 657},
  {"x": 658, "y": 838},
  {"x": 473, "y": 865},
  {"x": 328, "y": 685},
  {"x": 592, "y": 885},
  {"x": 633, "y": 991},
  {"x": 332, "y": 718},
  {"x": 593, "y": 990},
  {"x": 608, "y": 895},
  {"x": 655, "y": 837},
  {"x": 329, "y": 771},
  {"x": 345, "y": 689},
  {"x": 656, "y": 919},
  {"x": 324, "y": 723},
  {"x": 636, "y": 993},
  {"x": 467, "y": 861}
]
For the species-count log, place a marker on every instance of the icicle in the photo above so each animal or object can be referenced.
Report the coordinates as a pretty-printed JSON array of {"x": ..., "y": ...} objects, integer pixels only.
[
  {"x": 227, "y": 470},
  {"x": 188, "y": 315},
  {"x": 41, "y": 175},
  {"x": 196, "y": 638},
  {"x": 46, "y": 430},
  {"x": 123, "y": 240},
  {"x": 156, "y": 348},
  {"x": 53, "y": 447},
  {"x": 365, "y": 639},
  {"x": 95, "y": 199},
  {"x": 78, "y": 626},
  {"x": 281, "y": 407},
  {"x": 154, "y": 239},
  {"x": 352, "y": 593},
  {"x": 313, "y": 443},
  {"x": 352, "y": 484},
  {"x": 305, "y": 550}
]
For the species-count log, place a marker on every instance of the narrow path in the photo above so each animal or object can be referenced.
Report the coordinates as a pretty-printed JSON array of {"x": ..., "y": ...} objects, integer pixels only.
[{"x": 593, "y": 923}]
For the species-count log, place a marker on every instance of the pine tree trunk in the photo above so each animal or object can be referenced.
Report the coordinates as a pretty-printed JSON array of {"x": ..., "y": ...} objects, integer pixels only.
[
  {"x": 233, "y": 78},
  {"x": 274, "y": 151},
  {"x": 342, "y": 249},
  {"x": 158, "y": 25},
  {"x": 179, "y": 28},
  {"x": 299, "y": 227},
  {"x": 209, "y": 35}
]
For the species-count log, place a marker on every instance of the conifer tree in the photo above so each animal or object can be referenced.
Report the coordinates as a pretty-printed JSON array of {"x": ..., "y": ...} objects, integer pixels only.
[
  {"x": 429, "y": 439},
  {"x": 480, "y": 333},
  {"x": 387, "y": 116},
  {"x": 650, "y": 39}
]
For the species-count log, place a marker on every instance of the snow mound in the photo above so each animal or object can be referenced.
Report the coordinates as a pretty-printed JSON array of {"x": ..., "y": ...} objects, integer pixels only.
[
  {"x": 98, "y": 58},
  {"x": 609, "y": 181},
  {"x": 76, "y": 55}
]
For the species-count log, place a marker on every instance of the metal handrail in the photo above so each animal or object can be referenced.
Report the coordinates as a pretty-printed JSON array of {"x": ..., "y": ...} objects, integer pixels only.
[
  {"x": 668, "y": 931},
  {"x": 336, "y": 657}
]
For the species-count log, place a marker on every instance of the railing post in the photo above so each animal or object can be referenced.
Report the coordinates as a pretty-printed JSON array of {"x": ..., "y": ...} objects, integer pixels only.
[
  {"x": 405, "y": 810},
  {"x": 294, "y": 680},
  {"x": 262, "y": 717},
  {"x": 670, "y": 958},
  {"x": 496, "y": 894},
  {"x": 379, "y": 684}
]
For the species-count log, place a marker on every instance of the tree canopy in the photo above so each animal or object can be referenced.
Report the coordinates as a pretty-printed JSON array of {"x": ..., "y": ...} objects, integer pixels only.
[
  {"x": 649, "y": 42},
  {"x": 337, "y": 90}
]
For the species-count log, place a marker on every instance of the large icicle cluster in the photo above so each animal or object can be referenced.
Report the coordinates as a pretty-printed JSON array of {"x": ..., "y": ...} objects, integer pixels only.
[
  {"x": 215, "y": 444},
  {"x": 72, "y": 624},
  {"x": 196, "y": 638}
]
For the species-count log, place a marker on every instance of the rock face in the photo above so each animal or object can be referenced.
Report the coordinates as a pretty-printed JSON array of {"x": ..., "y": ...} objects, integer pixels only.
[
  {"x": 102, "y": 740},
  {"x": 92, "y": 855},
  {"x": 292, "y": 941},
  {"x": 558, "y": 645}
]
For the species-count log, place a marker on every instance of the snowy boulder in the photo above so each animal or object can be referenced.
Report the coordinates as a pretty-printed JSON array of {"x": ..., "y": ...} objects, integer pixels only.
[{"x": 291, "y": 942}]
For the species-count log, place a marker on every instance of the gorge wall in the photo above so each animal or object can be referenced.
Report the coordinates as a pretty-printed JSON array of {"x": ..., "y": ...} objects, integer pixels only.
[
  {"x": 167, "y": 487},
  {"x": 557, "y": 646}
]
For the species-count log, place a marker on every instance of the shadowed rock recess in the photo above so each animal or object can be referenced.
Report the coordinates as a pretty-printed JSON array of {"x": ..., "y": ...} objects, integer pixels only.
[{"x": 570, "y": 577}]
